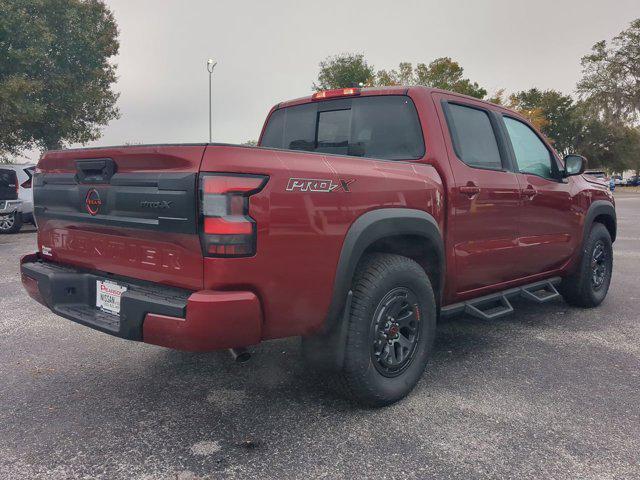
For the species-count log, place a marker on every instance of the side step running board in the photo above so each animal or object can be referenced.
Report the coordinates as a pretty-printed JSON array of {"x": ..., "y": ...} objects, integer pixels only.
[
  {"x": 540, "y": 294},
  {"x": 497, "y": 305},
  {"x": 489, "y": 309}
]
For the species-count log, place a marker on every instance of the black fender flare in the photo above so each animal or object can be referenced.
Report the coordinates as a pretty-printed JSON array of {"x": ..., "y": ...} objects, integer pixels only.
[
  {"x": 597, "y": 208},
  {"x": 369, "y": 228}
]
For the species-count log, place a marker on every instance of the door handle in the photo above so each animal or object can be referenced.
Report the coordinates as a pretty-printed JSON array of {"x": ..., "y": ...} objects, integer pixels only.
[
  {"x": 529, "y": 192},
  {"x": 95, "y": 171},
  {"x": 469, "y": 190}
]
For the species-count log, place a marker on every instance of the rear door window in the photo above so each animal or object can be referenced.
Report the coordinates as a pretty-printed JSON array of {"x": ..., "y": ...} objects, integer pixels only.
[
  {"x": 8, "y": 181},
  {"x": 385, "y": 127},
  {"x": 473, "y": 137},
  {"x": 6, "y": 177}
]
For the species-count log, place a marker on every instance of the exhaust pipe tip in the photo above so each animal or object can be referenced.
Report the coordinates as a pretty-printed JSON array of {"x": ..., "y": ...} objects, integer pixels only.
[{"x": 240, "y": 355}]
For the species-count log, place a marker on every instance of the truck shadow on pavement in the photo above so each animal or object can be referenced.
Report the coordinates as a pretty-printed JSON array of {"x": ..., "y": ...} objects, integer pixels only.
[
  {"x": 210, "y": 412},
  {"x": 277, "y": 375},
  {"x": 276, "y": 370}
]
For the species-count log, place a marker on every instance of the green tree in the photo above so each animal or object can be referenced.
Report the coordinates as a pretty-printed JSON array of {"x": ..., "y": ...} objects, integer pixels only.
[
  {"x": 498, "y": 97},
  {"x": 403, "y": 76},
  {"x": 612, "y": 146},
  {"x": 343, "y": 71},
  {"x": 55, "y": 72},
  {"x": 606, "y": 146},
  {"x": 611, "y": 76},
  {"x": 610, "y": 106},
  {"x": 531, "y": 112},
  {"x": 348, "y": 70},
  {"x": 449, "y": 75},
  {"x": 561, "y": 123},
  {"x": 441, "y": 73},
  {"x": 629, "y": 150}
]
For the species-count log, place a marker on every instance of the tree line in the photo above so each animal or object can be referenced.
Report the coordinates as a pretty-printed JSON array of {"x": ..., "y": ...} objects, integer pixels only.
[
  {"x": 600, "y": 121},
  {"x": 57, "y": 78},
  {"x": 56, "y": 73}
]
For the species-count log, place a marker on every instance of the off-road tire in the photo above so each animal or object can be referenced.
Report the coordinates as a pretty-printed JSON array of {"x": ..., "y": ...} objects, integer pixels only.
[
  {"x": 15, "y": 226},
  {"x": 579, "y": 289},
  {"x": 377, "y": 276}
]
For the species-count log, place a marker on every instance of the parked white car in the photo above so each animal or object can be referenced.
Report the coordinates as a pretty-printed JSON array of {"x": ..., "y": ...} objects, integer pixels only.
[{"x": 16, "y": 197}]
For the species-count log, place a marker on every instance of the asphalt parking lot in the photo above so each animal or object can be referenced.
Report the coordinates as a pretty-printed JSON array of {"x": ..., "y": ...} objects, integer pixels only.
[{"x": 549, "y": 392}]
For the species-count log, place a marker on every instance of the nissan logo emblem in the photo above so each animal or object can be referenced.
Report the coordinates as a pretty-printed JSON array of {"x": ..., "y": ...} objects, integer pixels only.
[{"x": 92, "y": 201}]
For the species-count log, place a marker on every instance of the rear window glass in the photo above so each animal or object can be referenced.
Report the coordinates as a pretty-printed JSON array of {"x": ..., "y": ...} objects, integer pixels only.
[
  {"x": 473, "y": 138},
  {"x": 7, "y": 178},
  {"x": 385, "y": 127}
]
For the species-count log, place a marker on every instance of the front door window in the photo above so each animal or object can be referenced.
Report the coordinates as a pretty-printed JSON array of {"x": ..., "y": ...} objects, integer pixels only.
[{"x": 532, "y": 155}]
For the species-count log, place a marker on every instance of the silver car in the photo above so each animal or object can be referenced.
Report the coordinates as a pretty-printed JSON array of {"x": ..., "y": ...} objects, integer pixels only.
[{"x": 16, "y": 196}]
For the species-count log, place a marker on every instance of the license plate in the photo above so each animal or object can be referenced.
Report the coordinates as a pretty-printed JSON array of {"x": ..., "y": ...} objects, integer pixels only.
[{"x": 108, "y": 295}]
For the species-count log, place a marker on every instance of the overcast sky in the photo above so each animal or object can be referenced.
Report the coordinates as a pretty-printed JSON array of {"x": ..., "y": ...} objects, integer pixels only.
[{"x": 268, "y": 51}]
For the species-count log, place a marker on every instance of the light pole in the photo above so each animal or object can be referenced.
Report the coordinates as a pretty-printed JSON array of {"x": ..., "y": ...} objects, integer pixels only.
[{"x": 210, "y": 66}]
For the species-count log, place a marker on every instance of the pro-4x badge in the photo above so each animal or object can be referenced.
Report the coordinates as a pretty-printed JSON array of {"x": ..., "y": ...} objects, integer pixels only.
[{"x": 318, "y": 185}]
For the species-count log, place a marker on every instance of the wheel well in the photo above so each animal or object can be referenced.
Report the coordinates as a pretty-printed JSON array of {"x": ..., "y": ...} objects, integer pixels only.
[
  {"x": 608, "y": 222},
  {"x": 417, "y": 248}
]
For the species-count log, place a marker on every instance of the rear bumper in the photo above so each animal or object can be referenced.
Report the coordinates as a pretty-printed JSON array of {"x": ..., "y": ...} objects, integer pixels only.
[
  {"x": 149, "y": 312},
  {"x": 7, "y": 207}
]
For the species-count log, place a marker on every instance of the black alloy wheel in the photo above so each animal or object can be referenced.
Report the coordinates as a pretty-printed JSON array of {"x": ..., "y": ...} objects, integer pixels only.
[
  {"x": 599, "y": 265},
  {"x": 395, "y": 331}
]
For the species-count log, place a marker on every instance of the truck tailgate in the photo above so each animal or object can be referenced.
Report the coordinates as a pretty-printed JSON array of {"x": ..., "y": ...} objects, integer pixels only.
[{"x": 124, "y": 210}]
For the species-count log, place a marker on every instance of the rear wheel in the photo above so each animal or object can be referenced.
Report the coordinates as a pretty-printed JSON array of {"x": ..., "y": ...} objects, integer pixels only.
[
  {"x": 589, "y": 285},
  {"x": 11, "y": 223},
  {"x": 390, "y": 332}
]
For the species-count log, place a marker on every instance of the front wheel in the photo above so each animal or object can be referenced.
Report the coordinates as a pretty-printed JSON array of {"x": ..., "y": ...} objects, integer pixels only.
[
  {"x": 589, "y": 285},
  {"x": 390, "y": 332},
  {"x": 11, "y": 223}
]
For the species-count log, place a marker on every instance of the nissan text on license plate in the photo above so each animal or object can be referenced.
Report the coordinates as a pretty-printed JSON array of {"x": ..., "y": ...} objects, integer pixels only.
[{"x": 108, "y": 295}]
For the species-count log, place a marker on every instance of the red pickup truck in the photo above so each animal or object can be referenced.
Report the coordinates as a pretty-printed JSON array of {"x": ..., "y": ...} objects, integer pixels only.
[{"x": 363, "y": 217}]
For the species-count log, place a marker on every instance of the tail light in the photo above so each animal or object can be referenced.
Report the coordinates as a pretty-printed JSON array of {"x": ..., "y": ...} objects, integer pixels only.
[{"x": 226, "y": 229}]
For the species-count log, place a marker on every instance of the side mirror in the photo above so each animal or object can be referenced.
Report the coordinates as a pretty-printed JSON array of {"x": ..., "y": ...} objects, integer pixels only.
[{"x": 574, "y": 165}]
